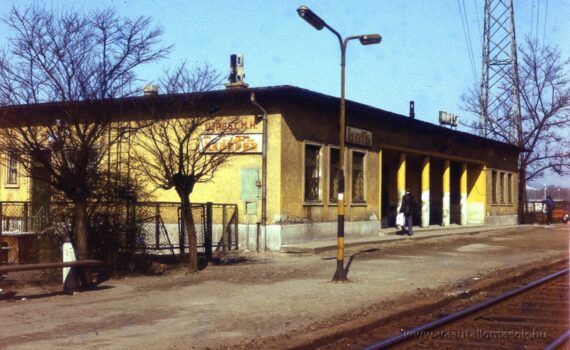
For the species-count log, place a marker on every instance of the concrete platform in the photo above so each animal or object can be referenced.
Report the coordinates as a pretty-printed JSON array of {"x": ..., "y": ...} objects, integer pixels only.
[{"x": 390, "y": 235}]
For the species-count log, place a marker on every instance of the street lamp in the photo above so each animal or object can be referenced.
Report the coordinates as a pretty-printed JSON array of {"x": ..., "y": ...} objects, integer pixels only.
[{"x": 366, "y": 39}]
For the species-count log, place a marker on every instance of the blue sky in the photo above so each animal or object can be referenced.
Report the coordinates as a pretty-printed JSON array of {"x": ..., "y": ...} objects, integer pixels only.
[{"x": 423, "y": 57}]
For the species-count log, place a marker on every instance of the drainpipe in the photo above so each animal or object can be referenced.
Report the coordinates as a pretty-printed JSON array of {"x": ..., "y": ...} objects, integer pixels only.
[{"x": 263, "y": 172}]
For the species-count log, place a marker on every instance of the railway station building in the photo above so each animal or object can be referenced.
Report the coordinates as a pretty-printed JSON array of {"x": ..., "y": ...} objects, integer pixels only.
[{"x": 457, "y": 178}]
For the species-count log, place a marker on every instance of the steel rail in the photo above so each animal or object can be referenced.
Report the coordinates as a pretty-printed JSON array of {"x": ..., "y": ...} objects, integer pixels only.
[
  {"x": 558, "y": 342},
  {"x": 465, "y": 312}
]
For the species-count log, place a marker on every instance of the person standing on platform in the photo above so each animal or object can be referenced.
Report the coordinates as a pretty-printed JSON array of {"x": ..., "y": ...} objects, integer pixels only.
[
  {"x": 548, "y": 208},
  {"x": 407, "y": 209}
]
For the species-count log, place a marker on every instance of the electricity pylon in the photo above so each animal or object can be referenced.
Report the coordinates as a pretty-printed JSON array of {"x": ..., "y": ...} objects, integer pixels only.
[{"x": 500, "y": 95}]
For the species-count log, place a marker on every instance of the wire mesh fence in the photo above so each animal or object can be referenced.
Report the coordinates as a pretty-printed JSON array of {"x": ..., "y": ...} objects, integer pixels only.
[{"x": 116, "y": 231}]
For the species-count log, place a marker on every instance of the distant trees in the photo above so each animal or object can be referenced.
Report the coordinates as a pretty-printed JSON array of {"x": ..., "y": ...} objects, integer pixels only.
[
  {"x": 77, "y": 60},
  {"x": 177, "y": 151},
  {"x": 543, "y": 126}
]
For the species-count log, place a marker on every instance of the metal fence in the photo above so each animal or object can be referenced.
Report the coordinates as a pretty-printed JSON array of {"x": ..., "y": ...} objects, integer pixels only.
[{"x": 159, "y": 228}]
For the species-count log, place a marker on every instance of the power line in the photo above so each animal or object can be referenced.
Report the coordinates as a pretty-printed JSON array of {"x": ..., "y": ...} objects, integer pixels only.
[
  {"x": 531, "y": 17},
  {"x": 537, "y": 19},
  {"x": 545, "y": 18},
  {"x": 467, "y": 35},
  {"x": 478, "y": 22}
]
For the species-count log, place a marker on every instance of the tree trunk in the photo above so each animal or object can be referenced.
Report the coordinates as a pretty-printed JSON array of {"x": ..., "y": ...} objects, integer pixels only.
[
  {"x": 80, "y": 228},
  {"x": 191, "y": 233}
]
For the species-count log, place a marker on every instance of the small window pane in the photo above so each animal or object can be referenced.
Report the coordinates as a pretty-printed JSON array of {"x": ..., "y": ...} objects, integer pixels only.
[
  {"x": 334, "y": 168},
  {"x": 510, "y": 188},
  {"x": 12, "y": 176},
  {"x": 494, "y": 187},
  {"x": 312, "y": 166},
  {"x": 502, "y": 187},
  {"x": 357, "y": 177}
]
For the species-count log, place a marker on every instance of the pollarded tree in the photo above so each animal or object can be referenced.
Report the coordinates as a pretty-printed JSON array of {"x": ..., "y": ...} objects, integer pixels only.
[
  {"x": 543, "y": 126},
  {"x": 178, "y": 150},
  {"x": 76, "y": 61}
]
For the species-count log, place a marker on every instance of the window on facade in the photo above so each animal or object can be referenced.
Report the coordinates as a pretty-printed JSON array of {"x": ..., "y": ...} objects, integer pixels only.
[
  {"x": 510, "y": 188},
  {"x": 12, "y": 170},
  {"x": 494, "y": 187},
  {"x": 357, "y": 177},
  {"x": 502, "y": 188},
  {"x": 312, "y": 172},
  {"x": 334, "y": 166}
]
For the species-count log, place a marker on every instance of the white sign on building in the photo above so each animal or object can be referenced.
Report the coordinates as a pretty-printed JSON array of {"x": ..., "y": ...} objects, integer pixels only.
[
  {"x": 238, "y": 143},
  {"x": 358, "y": 136}
]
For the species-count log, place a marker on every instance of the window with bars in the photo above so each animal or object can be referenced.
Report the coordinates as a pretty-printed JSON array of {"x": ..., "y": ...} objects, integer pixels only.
[
  {"x": 312, "y": 172},
  {"x": 494, "y": 187},
  {"x": 12, "y": 170},
  {"x": 334, "y": 167},
  {"x": 357, "y": 177},
  {"x": 510, "y": 188},
  {"x": 502, "y": 188}
]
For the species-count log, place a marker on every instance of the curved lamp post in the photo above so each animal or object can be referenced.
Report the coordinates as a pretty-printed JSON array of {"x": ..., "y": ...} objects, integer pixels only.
[{"x": 366, "y": 39}]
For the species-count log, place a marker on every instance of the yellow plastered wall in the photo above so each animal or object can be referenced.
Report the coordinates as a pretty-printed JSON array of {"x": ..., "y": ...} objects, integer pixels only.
[
  {"x": 477, "y": 194},
  {"x": 225, "y": 187},
  {"x": 13, "y": 192}
]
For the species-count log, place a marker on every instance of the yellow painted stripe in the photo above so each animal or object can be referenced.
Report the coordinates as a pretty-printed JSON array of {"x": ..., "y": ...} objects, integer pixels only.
[
  {"x": 340, "y": 250},
  {"x": 380, "y": 183},
  {"x": 402, "y": 173},
  {"x": 425, "y": 174}
]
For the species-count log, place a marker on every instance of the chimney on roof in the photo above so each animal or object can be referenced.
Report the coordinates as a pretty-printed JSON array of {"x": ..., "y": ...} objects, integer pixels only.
[
  {"x": 237, "y": 76},
  {"x": 151, "y": 90},
  {"x": 412, "y": 110}
]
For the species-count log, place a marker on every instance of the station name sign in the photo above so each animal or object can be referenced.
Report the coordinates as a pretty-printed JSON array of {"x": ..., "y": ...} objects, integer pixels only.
[
  {"x": 358, "y": 136},
  {"x": 234, "y": 126},
  {"x": 235, "y": 143}
]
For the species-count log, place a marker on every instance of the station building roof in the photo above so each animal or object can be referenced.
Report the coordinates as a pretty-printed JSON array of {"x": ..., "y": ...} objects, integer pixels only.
[{"x": 271, "y": 98}]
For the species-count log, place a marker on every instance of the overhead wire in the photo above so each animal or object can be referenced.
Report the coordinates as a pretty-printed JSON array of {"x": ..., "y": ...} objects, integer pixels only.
[
  {"x": 467, "y": 35},
  {"x": 478, "y": 21},
  {"x": 545, "y": 18},
  {"x": 537, "y": 20},
  {"x": 531, "y": 17}
]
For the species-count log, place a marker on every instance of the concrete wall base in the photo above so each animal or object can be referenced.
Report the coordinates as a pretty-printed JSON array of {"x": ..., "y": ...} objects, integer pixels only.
[
  {"x": 502, "y": 220},
  {"x": 281, "y": 234}
]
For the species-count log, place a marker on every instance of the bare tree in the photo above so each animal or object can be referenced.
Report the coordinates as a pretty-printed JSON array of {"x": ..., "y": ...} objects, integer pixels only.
[
  {"x": 543, "y": 126},
  {"x": 78, "y": 61},
  {"x": 180, "y": 149}
]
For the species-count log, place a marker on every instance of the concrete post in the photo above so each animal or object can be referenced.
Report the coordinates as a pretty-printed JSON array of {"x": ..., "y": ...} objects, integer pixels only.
[
  {"x": 68, "y": 255},
  {"x": 425, "y": 202},
  {"x": 401, "y": 180},
  {"x": 463, "y": 192},
  {"x": 446, "y": 212}
]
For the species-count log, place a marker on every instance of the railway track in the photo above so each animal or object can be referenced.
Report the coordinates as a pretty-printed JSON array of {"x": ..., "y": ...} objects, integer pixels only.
[{"x": 535, "y": 316}]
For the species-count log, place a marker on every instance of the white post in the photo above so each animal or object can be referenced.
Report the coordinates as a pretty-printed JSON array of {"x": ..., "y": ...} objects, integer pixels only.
[{"x": 68, "y": 255}]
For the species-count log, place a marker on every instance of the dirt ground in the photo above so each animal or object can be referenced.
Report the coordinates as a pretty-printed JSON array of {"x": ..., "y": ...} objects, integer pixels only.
[{"x": 270, "y": 300}]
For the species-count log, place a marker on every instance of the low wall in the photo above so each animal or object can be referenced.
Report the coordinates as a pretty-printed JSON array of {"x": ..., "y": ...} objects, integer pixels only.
[
  {"x": 281, "y": 234},
  {"x": 502, "y": 220}
]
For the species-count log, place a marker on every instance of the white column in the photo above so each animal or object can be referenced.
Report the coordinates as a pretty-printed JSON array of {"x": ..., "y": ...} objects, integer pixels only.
[{"x": 463, "y": 191}]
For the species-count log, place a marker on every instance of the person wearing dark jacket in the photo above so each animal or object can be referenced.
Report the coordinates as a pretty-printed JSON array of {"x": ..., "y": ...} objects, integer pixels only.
[
  {"x": 549, "y": 207},
  {"x": 407, "y": 209}
]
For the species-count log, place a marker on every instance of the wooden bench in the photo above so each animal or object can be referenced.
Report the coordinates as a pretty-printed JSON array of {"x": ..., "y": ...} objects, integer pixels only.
[{"x": 76, "y": 278}]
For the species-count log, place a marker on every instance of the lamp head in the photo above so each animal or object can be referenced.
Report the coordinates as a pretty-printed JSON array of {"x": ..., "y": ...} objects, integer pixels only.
[
  {"x": 370, "y": 39},
  {"x": 310, "y": 17}
]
